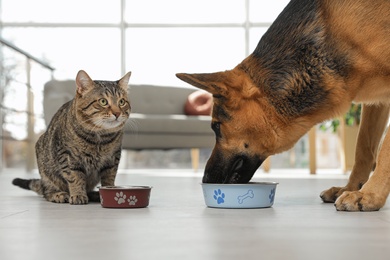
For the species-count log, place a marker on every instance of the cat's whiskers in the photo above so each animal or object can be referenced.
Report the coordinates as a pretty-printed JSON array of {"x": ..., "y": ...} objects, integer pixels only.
[
  {"x": 102, "y": 123},
  {"x": 90, "y": 121},
  {"x": 110, "y": 122},
  {"x": 132, "y": 125}
]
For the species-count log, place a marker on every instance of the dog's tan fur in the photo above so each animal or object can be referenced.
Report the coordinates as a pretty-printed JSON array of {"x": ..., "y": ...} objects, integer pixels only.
[{"x": 338, "y": 53}]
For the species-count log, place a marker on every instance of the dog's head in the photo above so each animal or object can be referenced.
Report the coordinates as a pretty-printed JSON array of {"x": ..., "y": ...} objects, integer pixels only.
[{"x": 247, "y": 128}]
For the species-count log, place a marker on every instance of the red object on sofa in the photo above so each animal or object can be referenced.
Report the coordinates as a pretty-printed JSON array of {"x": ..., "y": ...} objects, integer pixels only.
[{"x": 199, "y": 103}]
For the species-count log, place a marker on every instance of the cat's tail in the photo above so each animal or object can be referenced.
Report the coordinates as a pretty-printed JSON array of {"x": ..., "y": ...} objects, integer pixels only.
[
  {"x": 31, "y": 184},
  {"x": 93, "y": 196}
]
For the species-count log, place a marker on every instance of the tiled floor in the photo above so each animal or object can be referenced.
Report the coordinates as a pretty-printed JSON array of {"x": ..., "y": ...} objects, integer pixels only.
[{"x": 178, "y": 225}]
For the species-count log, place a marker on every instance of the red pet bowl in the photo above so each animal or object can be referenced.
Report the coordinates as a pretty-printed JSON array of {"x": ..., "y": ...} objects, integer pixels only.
[{"x": 124, "y": 196}]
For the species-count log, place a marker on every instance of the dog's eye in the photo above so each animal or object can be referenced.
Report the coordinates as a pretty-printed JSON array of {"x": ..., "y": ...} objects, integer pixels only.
[{"x": 216, "y": 126}]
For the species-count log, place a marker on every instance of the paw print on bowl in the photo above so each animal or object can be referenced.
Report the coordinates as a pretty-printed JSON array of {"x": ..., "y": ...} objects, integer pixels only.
[
  {"x": 132, "y": 200},
  {"x": 120, "y": 197},
  {"x": 219, "y": 196},
  {"x": 125, "y": 196}
]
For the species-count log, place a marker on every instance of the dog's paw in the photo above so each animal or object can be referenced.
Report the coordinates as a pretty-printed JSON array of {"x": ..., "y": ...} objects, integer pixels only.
[
  {"x": 78, "y": 199},
  {"x": 331, "y": 195},
  {"x": 359, "y": 201}
]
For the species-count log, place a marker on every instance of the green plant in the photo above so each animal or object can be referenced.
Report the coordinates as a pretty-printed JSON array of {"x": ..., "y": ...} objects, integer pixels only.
[{"x": 351, "y": 118}]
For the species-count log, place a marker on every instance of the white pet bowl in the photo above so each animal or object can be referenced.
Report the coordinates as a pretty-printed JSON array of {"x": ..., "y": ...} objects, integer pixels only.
[{"x": 250, "y": 195}]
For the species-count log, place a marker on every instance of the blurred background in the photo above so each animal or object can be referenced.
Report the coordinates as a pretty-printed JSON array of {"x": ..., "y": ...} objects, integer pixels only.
[{"x": 46, "y": 39}]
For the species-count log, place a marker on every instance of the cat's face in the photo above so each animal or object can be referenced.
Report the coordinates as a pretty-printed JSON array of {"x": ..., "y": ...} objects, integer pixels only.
[
  {"x": 102, "y": 105},
  {"x": 108, "y": 111}
]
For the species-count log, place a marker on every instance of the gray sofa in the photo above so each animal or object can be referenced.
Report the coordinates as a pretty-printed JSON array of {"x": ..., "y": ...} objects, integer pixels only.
[{"x": 157, "y": 120}]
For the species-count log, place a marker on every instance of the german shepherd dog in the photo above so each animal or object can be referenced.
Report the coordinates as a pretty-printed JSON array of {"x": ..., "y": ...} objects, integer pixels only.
[{"x": 317, "y": 58}]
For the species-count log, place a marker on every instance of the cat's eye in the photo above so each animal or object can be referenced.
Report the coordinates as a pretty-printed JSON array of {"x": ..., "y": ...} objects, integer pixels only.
[
  {"x": 103, "y": 102},
  {"x": 122, "y": 102}
]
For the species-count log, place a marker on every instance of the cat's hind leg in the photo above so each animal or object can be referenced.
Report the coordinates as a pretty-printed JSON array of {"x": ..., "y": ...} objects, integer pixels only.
[
  {"x": 53, "y": 193},
  {"x": 57, "y": 197}
]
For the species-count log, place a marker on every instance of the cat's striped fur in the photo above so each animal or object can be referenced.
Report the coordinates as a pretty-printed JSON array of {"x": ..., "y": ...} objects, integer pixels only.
[{"x": 82, "y": 144}]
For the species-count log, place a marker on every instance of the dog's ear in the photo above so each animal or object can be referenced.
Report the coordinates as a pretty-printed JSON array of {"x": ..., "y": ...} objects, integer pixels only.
[
  {"x": 221, "y": 83},
  {"x": 211, "y": 82}
]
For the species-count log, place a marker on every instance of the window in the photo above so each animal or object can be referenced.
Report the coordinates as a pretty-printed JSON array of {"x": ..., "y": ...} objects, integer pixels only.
[{"x": 152, "y": 38}]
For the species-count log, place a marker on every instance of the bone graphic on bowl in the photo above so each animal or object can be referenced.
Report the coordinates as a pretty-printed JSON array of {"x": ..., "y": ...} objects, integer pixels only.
[{"x": 249, "y": 194}]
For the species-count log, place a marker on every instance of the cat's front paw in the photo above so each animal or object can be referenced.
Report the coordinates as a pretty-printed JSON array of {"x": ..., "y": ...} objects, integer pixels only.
[{"x": 78, "y": 199}]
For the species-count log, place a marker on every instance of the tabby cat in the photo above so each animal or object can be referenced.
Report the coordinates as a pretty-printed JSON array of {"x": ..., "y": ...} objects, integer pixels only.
[{"x": 82, "y": 144}]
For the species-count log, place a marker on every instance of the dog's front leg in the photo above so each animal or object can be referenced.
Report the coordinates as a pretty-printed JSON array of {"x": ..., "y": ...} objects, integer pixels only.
[
  {"x": 373, "y": 123},
  {"x": 373, "y": 194}
]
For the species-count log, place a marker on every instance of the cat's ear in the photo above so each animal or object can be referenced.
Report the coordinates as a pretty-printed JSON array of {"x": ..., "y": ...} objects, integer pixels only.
[
  {"x": 124, "y": 81},
  {"x": 83, "y": 82}
]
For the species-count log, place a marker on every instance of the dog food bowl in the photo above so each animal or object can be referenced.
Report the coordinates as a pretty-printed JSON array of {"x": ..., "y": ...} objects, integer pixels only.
[
  {"x": 124, "y": 196},
  {"x": 245, "y": 196}
]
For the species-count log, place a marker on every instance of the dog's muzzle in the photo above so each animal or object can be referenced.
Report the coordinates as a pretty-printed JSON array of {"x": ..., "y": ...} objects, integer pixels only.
[{"x": 236, "y": 169}]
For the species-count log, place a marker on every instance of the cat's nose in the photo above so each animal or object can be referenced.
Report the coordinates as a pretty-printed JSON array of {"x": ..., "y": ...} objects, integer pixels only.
[{"x": 117, "y": 114}]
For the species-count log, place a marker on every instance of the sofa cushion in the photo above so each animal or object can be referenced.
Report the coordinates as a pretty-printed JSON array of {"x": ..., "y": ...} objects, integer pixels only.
[
  {"x": 149, "y": 99},
  {"x": 199, "y": 103}
]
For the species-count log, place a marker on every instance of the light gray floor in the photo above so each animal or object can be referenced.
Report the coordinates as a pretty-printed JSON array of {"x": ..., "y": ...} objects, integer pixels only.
[{"x": 178, "y": 225}]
